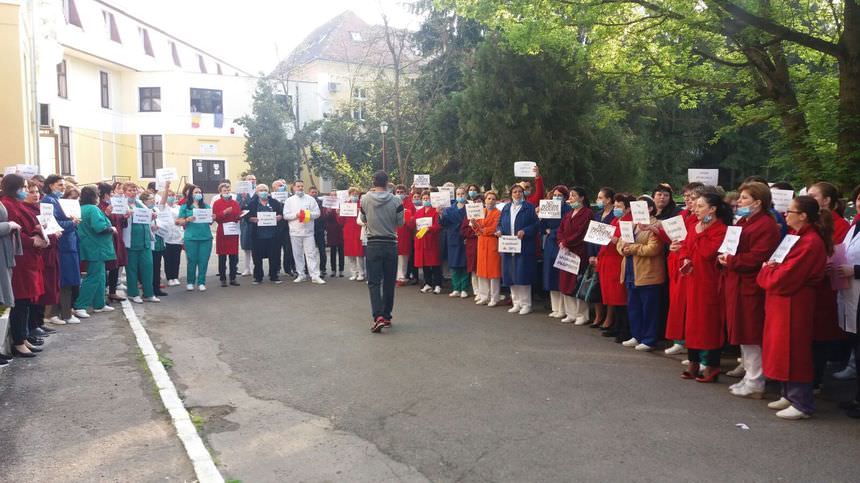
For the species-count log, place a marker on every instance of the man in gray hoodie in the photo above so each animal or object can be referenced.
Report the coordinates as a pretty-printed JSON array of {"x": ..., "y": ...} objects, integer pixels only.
[{"x": 382, "y": 214}]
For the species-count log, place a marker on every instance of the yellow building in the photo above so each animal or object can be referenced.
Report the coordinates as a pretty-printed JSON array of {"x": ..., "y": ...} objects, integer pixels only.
[{"x": 18, "y": 124}]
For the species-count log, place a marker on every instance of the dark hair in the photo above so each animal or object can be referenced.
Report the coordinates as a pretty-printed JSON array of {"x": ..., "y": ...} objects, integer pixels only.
[
  {"x": 11, "y": 184},
  {"x": 782, "y": 185},
  {"x": 822, "y": 219},
  {"x": 104, "y": 189},
  {"x": 188, "y": 193},
  {"x": 38, "y": 178},
  {"x": 607, "y": 192},
  {"x": 671, "y": 206},
  {"x": 583, "y": 195},
  {"x": 691, "y": 186},
  {"x": 150, "y": 185},
  {"x": 652, "y": 207},
  {"x": 625, "y": 198},
  {"x": 90, "y": 194},
  {"x": 832, "y": 192},
  {"x": 401, "y": 187},
  {"x": 724, "y": 211},
  {"x": 380, "y": 179},
  {"x": 755, "y": 179},
  {"x": 49, "y": 181}
]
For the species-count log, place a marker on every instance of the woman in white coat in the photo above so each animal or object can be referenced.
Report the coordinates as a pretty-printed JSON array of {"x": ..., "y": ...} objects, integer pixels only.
[{"x": 849, "y": 296}]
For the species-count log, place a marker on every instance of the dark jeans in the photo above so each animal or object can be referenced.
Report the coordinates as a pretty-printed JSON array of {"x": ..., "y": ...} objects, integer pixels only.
[
  {"x": 621, "y": 323},
  {"x": 381, "y": 260},
  {"x": 234, "y": 267},
  {"x": 19, "y": 318},
  {"x": 319, "y": 238},
  {"x": 172, "y": 256},
  {"x": 643, "y": 311},
  {"x": 336, "y": 256},
  {"x": 432, "y": 276},
  {"x": 267, "y": 248},
  {"x": 157, "y": 256},
  {"x": 112, "y": 280},
  {"x": 36, "y": 317},
  {"x": 710, "y": 357}
]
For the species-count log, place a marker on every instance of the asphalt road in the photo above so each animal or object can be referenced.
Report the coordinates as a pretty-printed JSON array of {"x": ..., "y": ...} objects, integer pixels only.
[{"x": 294, "y": 387}]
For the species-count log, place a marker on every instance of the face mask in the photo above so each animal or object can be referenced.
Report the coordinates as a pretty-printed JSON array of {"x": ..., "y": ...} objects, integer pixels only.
[
  {"x": 473, "y": 194},
  {"x": 744, "y": 211},
  {"x": 461, "y": 200},
  {"x": 300, "y": 193},
  {"x": 132, "y": 198},
  {"x": 491, "y": 206},
  {"x": 198, "y": 196},
  {"x": 527, "y": 193},
  {"x": 226, "y": 196},
  {"x": 282, "y": 188},
  {"x": 171, "y": 200},
  {"x": 617, "y": 212},
  {"x": 427, "y": 204},
  {"x": 354, "y": 199},
  {"x": 558, "y": 198},
  {"x": 576, "y": 205},
  {"x": 600, "y": 205},
  {"x": 263, "y": 195},
  {"x": 22, "y": 194},
  {"x": 416, "y": 201},
  {"x": 402, "y": 197},
  {"x": 150, "y": 205},
  {"x": 58, "y": 194},
  {"x": 707, "y": 219}
]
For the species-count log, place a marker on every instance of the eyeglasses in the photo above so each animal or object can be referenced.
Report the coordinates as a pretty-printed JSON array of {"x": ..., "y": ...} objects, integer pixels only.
[{"x": 792, "y": 211}]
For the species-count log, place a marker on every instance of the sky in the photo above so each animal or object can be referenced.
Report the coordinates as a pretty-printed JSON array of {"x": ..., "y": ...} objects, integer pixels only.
[{"x": 256, "y": 34}]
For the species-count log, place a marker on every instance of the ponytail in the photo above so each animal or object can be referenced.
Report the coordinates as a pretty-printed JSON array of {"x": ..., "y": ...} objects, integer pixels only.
[
  {"x": 723, "y": 211},
  {"x": 820, "y": 218}
]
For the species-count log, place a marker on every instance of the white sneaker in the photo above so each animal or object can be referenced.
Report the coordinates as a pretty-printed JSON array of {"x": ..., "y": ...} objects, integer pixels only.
[
  {"x": 480, "y": 301},
  {"x": 137, "y": 300},
  {"x": 685, "y": 362},
  {"x": 631, "y": 342},
  {"x": 738, "y": 371},
  {"x": 492, "y": 303},
  {"x": 455, "y": 293},
  {"x": 792, "y": 413},
  {"x": 580, "y": 321},
  {"x": 737, "y": 385},
  {"x": 81, "y": 313},
  {"x": 106, "y": 308},
  {"x": 73, "y": 320},
  {"x": 246, "y": 273},
  {"x": 846, "y": 374},
  {"x": 558, "y": 315},
  {"x": 437, "y": 290},
  {"x": 353, "y": 277},
  {"x": 318, "y": 281},
  {"x": 644, "y": 348},
  {"x": 675, "y": 349},
  {"x": 360, "y": 278},
  {"x": 747, "y": 392},
  {"x": 173, "y": 283},
  {"x": 516, "y": 308},
  {"x": 189, "y": 287},
  {"x": 153, "y": 299},
  {"x": 567, "y": 320},
  {"x": 477, "y": 297},
  {"x": 121, "y": 286},
  {"x": 781, "y": 403},
  {"x": 426, "y": 289},
  {"x": 201, "y": 288},
  {"x": 300, "y": 279},
  {"x": 55, "y": 321},
  {"x": 525, "y": 310},
  {"x": 464, "y": 295},
  {"x": 552, "y": 314}
]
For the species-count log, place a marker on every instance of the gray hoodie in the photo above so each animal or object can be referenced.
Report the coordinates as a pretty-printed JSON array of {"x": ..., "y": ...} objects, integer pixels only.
[{"x": 382, "y": 213}]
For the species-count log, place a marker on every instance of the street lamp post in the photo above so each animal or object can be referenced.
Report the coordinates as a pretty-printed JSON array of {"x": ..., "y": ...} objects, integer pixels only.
[{"x": 383, "y": 128}]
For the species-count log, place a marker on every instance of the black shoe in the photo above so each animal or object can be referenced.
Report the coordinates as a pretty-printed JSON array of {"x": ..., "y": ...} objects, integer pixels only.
[
  {"x": 17, "y": 353},
  {"x": 34, "y": 349},
  {"x": 223, "y": 283},
  {"x": 4, "y": 363},
  {"x": 378, "y": 325},
  {"x": 234, "y": 283},
  {"x": 4, "y": 357},
  {"x": 160, "y": 293},
  {"x": 48, "y": 330},
  {"x": 38, "y": 332},
  {"x": 35, "y": 340}
]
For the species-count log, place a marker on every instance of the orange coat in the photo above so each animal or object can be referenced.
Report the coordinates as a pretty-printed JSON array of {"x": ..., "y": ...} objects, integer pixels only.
[{"x": 489, "y": 261}]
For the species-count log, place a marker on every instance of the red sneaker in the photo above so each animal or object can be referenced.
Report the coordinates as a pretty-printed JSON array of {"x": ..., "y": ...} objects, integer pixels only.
[{"x": 378, "y": 324}]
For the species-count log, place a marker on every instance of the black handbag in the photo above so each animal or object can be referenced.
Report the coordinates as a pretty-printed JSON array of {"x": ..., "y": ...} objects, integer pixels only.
[{"x": 589, "y": 287}]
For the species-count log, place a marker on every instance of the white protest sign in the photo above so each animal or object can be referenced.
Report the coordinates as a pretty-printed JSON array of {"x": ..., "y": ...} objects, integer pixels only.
[
  {"x": 46, "y": 209},
  {"x": 343, "y": 196},
  {"x": 230, "y": 228},
  {"x": 781, "y": 199},
  {"x": 803, "y": 191},
  {"x": 599, "y": 233},
  {"x": 10, "y": 170},
  {"x": 708, "y": 177},
  {"x": 27, "y": 171},
  {"x": 550, "y": 209},
  {"x": 627, "y": 231},
  {"x": 424, "y": 222},
  {"x": 267, "y": 218},
  {"x": 639, "y": 210},
  {"x": 280, "y": 195},
  {"x": 524, "y": 169},
  {"x": 49, "y": 224},
  {"x": 119, "y": 205},
  {"x": 782, "y": 250},
  {"x": 567, "y": 261},
  {"x": 421, "y": 181},
  {"x": 165, "y": 219},
  {"x": 141, "y": 216},
  {"x": 675, "y": 228},
  {"x": 164, "y": 175},
  {"x": 450, "y": 190},
  {"x": 202, "y": 215},
  {"x": 244, "y": 187},
  {"x": 474, "y": 211},
  {"x": 72, "y": 208},
  {"x": 329, "y": 202},
  {"x": 440, "y": 200},
  {"x": 730, "y": 242},
  {"x": 510, "y": 244},
  {"x": 349, "y": 209}
]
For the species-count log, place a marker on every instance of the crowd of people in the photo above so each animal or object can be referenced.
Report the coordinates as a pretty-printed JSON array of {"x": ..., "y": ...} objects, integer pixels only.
[{"x": 790, "y": 315}]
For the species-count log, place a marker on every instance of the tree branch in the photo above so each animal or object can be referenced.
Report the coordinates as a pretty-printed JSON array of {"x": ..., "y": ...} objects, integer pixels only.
[{"x": 714, "y": 58}]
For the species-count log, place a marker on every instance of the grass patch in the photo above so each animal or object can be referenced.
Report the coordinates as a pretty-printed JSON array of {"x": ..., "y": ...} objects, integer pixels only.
[
  {"x": 166, "y": 361},
  {"x": 197, "y": 420}
]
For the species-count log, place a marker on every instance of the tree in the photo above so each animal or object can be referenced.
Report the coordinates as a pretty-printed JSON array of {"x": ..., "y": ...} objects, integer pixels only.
[{"x": 270, "y": 151}]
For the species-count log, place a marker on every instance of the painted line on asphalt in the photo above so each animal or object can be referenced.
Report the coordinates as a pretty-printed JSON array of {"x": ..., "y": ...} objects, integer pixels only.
[{"x": 204, "y": 467}]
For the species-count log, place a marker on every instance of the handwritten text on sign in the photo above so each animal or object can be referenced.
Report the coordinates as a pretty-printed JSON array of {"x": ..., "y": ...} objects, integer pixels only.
[
  {"x": 731, "y": 241},
  {"x": 141, "y": 216},
  {"x": 424, "y": 222},
  {"x": 440, "y": 199},
  {"x": 267, "y": 218},
  {"x": 525, "y": 169},
  {"x": 119, "y": 205},
  {"x": 550, "y": 209},
  {"x": 781, "y": 199},
  {"x": 474, "y": 211},
  {"x": 675, "y": 228},
  {"x": 639, "y": 210},
  {"x": 421, "y": 181},
  {"x": 202, "y": 215},
  {"x": 627, "y": 231},
  {"x": 782, "y": 250},
  {"x": 567, "y": 261},
  {"x": 599, "y": 233},
  {"x": 510, "y": 244},
  {"x": 708, "y": 177},
  {"x": 349, "y": 209}
]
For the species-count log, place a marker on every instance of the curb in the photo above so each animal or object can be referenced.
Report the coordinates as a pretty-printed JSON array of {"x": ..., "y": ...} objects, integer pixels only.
[{"x": 204, "y": 466}]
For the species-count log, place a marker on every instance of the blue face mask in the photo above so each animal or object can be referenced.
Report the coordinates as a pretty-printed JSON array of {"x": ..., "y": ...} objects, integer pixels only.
[
  {"x": 171, "y": 200},
  {"x": 707, "y": 219},
  {"x": 427, "y": 204},
  {"x": 600, "y": 205},
  {"x": 354, "y": 199},
  {"x": 527, "y": 193},
  {"x": 198, "y": 196},
  {"x": 21, "y": 194},
  {"x": 263, "y": 195},
  {"x": 226, "y": 196},
  {"x": 402, "y": 197},
  {"x": 461, "y": 200},
  {"x": 300, "y": 193},
  {"x": 744, "y": 211},
  {"x": 282, "y": 188},
  {"x": 558, "y": 198},
  {"x": 58, "y": 194},
  {"x": 617, "y": 212},
  {"x": 576, "y": 205},
  {"x": 473, "y": 194}
]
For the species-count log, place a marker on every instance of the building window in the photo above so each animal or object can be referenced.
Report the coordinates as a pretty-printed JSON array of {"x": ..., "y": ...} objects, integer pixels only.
[
  {"x": 110, "y": 26},
  {"x": 105, "y": 88},
  {"x": 206, "y": 100},
  {"x": 175, "y": 53},
  {"x": 202, "y": 63},
  {"x": 151, "y": 157},
  {"x": 65, "y": 152},
  {"x": 62, "y": 84},
  {"x": 150, "y": 99},
  {"x": 44, "y": 115},
  {"x": 147, "y": 45},
  {"x": 359, "y": 98},
  {"x": 70, "y": 11}
]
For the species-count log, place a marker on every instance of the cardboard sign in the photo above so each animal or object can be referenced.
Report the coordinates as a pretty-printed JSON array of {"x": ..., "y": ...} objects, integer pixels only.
[
  {"x": 550, "y": 210},
  {"x": 599, "y": 233},
  {"x": 627, "y": 231},
  {"x": 450, "y": 190},
  {"x": 639, "y": 210},
  {"x": 730, "y": 242},
  {"x": 421, "y": 181},
  {"x": 675, "y": 228},
  {"x": 781, "y": 199},
  {"x": 525, "y": 169},
  {"x": 163, "y": 175},
  {"x": 510, "y": 244},
  {"x": 329, "y": 202},
  {"x": 202, "y": 215},
  {"x": 349, "y": 209},
  {"x": 708, "y": 177},
  {"x": 49, "y": 224},
  {"x": 231, "y": 228},
  {"x": 119, "y": 205},
  {"x": 440, "y": 200},
  {"x": 141, "y": 216},
  {"x": 474, "y": 211},
  {"x": 72, "y": 208},
  {"x": 567, "y": 261},
  {"x": 46, "y": 209},
  {"x": 244, "y": 187},
  {"x": 782, "y": 250},
  {"x": 267, "y": 218},
  {"x": 423, "y": 222}
]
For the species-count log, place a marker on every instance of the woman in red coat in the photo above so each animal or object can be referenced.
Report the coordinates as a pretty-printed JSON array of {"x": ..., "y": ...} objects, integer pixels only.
[
  {"x": 119, "y": 222},
  {"x": 704, "y": 322},
  {"x": 427, "y": 245},
  {"x": 405, "y": 233},
  {"x": 353, "y": 248},
  {"x": 49, "y": 263},
  {"x": 790, "y": 293},
  {"x": 612, "y": 291},
  {"x": 227, "y": 210},
  {"x": 27, "y": 281},
  {"x": 334, "y": 239},
  {"x": 571, "y": 235},
  {"x": 744, "y": 298}
]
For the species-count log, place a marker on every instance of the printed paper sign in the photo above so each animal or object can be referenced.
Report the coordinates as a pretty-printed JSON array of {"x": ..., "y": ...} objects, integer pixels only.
[
  {"x": 280, "y": 196},
  {"x": 27, "y": 171},
  {"x": 550, "y": 210},
  {"x": 510, "y": 244},
  {"x": 267, "y": 218},
  {"x": 421, "y": 181},
  {"x": 343, "y": 196},
  {"x": 708, "y": 177},
  {"x": 730, "y": 242},
  {"x": 46, "y": 209},
  {"x": 329, "y": 202},
  {"x": 244, "y": 187},
  {"x": 567, "y": 261},
  {"x": 440, "y": 200},
  {"x": 164, "y": 219},
  {"x": 474, "y": 211},
  {"x": 599, "y": 233},
  {"x": 349, "y": 209},
  {"x": 424, "y": 222},
  {"x": 72, "y": 208},
  {"x": 141, "y": 216},
  {"x": 450, "y": 190},
  {"x": 164, "y": 175},
  {"x": 627, "y": 231},
  {"x": 119, "y": 205},
  {"x": 781, "y": 199},
  {"x": 839, "y": 258},
  {"x": 231, "y": 228},
  {"x": 639, "y": 210},
  {"x": 675, "y": 228},
  {"x": 782, "y": 250},
  {"x": 525, "y": 169},
  {"x": 202, "y": 215},
  {"x": 49, "y": 224},
  {"x": 10, "y": 170}
]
